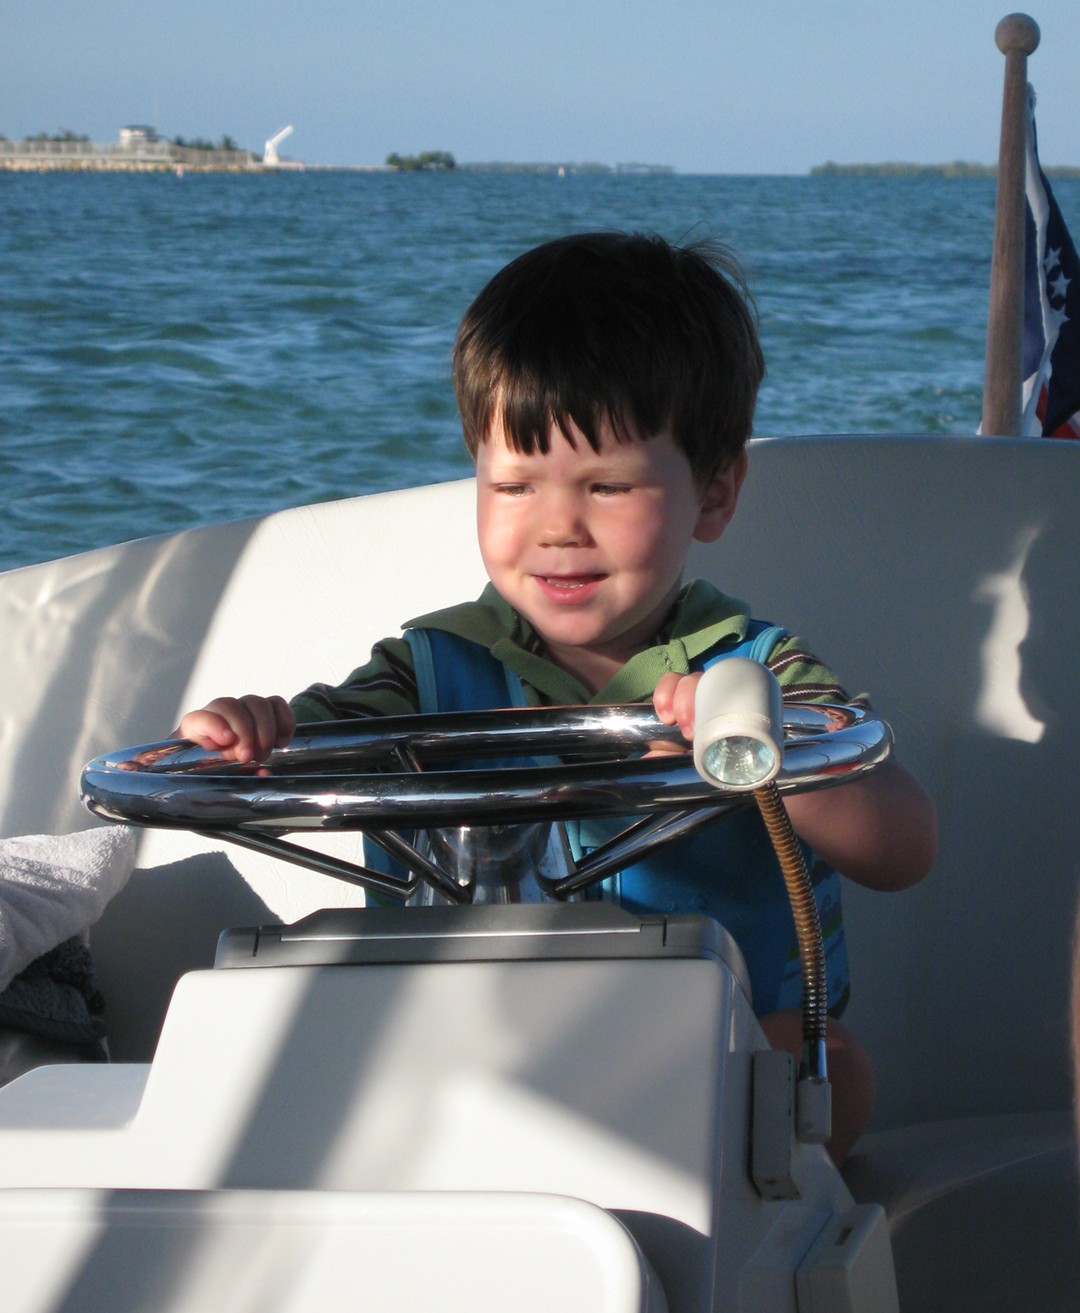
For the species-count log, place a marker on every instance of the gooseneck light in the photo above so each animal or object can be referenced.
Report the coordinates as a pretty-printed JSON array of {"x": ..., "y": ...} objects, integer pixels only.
[
  {"x": 738, "y": 725},
  {"x": 738, "y": 746}
]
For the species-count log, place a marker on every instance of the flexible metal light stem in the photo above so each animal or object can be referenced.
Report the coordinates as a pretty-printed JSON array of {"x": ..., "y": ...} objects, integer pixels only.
[{"x": 815, "y": 1004}]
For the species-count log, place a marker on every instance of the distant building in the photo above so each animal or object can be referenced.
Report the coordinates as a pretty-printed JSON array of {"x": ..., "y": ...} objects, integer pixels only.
[
  {"x": 139, "y": 148},
  {"x": 136, "y": 135}
]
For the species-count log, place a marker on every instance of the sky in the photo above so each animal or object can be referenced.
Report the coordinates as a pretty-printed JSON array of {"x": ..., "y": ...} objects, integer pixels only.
[{"x": 704, "y": 86}]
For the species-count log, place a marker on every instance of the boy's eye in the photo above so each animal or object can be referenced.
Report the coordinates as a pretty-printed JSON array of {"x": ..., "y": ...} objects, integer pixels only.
[
  {"x": 609, "y": 489},
  {"x": 512, "y": 489}
]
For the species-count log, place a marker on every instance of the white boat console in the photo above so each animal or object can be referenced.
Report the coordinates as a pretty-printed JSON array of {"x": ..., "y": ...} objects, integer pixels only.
[{"x": 539, "y": 1054}]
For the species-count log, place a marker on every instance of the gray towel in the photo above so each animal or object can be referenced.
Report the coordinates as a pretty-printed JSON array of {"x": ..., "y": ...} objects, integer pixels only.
[{"x": 52, "y": 889}]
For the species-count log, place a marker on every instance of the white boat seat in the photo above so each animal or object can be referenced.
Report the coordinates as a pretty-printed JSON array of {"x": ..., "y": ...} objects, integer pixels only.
[
  {"x": 984, "y": 1212},
  {"x": 337, "y": 1251}
]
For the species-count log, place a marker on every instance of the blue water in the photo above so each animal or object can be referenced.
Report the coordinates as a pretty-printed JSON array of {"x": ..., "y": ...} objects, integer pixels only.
[{"x": 181, "y": 350}]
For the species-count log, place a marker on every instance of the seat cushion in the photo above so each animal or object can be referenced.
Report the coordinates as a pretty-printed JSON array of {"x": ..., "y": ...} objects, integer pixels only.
[{"x": 983, "y": 1211}]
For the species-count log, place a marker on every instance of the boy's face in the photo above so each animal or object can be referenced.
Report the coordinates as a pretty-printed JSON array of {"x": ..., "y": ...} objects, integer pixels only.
[{"x": 590, "y": 546}]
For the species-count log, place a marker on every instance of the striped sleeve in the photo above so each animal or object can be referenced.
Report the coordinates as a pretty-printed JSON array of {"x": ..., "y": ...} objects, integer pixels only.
[
  {"x": 803, "y": 678},
  {"x": 386, "y": 686}
]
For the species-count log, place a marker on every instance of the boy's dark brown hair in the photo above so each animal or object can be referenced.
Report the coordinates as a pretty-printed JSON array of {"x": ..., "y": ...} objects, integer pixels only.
[{"x": 619, "y": 326}]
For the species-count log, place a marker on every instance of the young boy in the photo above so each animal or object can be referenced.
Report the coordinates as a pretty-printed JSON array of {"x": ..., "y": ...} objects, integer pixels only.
[{"x": 606, "y": 385}]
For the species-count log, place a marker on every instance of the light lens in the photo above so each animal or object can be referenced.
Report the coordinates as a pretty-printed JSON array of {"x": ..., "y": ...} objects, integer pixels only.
[{"x": 739, "y": 762}]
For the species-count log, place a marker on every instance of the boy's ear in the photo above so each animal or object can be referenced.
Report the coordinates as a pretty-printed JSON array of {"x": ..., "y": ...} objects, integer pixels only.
[{"x": 721, "y": 498}]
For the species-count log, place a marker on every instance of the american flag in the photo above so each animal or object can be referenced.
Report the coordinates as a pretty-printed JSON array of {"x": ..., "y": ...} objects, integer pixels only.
[{"x": 1051, "y": 400}]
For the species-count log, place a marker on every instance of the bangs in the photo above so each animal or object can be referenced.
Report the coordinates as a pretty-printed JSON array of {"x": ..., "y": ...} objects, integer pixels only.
[{"x": 526, "y": 417}]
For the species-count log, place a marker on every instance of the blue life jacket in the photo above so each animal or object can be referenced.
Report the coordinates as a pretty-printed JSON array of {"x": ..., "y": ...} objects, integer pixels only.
[{"x": 728, "y": 871}]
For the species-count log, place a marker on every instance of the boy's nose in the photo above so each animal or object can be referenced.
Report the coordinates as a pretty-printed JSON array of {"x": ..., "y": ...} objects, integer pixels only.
[{"x": 562, "y": 523}]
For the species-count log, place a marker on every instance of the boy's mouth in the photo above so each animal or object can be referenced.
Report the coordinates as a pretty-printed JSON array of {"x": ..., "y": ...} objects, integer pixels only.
[
  {"x": 570, "y": 581},
  {"x": 568, "y": 587}
]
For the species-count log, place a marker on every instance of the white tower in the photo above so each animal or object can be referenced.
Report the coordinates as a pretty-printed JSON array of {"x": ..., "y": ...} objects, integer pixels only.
[{"x": 270, "y": 155}]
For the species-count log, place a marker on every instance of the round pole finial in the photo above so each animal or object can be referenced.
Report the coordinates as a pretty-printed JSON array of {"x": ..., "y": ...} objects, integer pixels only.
[{"x": 1017, "y": 32}]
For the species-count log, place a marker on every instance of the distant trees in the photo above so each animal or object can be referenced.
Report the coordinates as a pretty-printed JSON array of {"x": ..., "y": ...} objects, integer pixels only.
[
  {"x": 895, "y": 169},
  {"x": 65, "y": 134},
  {"x": 196, "y": 143},
  {"x": 201, "y": 143},
  {"x": 432, "y": 160}
]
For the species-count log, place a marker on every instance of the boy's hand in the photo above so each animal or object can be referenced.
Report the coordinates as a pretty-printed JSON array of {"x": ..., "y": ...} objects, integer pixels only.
[
  {"x": 244, "y": 729},
  {"x": 673, "y": 702},
  {"x": 878, "y": 829}
]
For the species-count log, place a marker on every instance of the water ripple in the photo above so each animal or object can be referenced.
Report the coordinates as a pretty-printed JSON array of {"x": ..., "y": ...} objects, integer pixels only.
[{"x": 179, "y": 351}]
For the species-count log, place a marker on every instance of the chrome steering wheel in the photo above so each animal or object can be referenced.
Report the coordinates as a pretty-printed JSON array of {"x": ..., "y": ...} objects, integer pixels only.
[{"x": 386, "y": 775}]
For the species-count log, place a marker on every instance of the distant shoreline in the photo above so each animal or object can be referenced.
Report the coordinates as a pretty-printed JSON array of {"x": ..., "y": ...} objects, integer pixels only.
[
  {"x": 142, "y": 150},
  {"x": 86, "y": 163},
  {"x": 243, "y": 162},
  {"x": 956, "y": 169},
  {"x": 258, "y": 169}
]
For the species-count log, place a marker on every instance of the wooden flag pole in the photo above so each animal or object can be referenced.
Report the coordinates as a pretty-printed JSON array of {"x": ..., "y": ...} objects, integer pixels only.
[{"x": 1017, "y": 36}]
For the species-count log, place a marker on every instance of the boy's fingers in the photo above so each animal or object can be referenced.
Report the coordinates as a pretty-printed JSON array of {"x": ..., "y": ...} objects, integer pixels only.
[
  {"x": 285, "y": 718},
  {"x": 246, "y": 729},
  {"x": 683, "y": 704},
  {"x": 267, "y": 722},
  {"x": 208, "y": 728},
  {"x": 236, "y": 733},
  {"x": 673, "y": 700},
  {"x": 664, "y": 697},
  {"x": 263, "y": 731}
]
